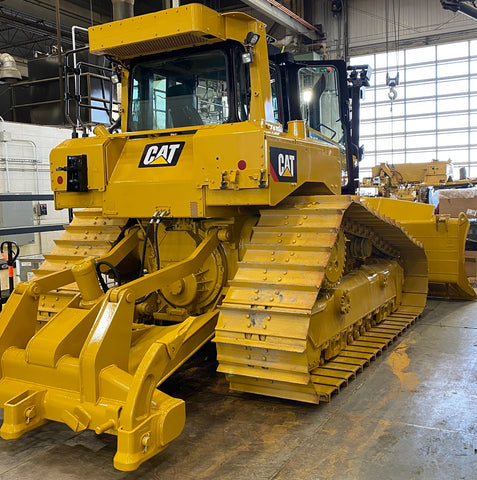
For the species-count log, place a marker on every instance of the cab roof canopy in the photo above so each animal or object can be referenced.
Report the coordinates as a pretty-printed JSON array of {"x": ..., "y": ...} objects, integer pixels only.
[{"x": 187, "y": 26}]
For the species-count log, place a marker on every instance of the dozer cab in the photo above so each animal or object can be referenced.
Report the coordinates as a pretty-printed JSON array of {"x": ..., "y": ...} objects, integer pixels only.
[{"x": 223, "y": 209}]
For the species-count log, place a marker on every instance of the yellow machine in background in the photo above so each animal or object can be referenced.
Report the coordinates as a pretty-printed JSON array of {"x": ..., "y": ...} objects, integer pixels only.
[
  {"x": 443, "y": 239},
  {"x": 219, "y": 211},
  {"x": 404, "y": 181}
]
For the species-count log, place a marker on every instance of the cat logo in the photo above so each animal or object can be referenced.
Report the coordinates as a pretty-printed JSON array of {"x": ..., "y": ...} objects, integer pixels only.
[
  {"x": 283, "y": 167},
  {"x": 161, "y": 154}
]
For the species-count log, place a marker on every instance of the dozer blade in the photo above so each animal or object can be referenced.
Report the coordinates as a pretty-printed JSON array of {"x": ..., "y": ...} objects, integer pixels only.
[
  {"x": 323, "y": 287},
  {"x": 443, "y": 239},
  {"x": 89, "y": 365}
]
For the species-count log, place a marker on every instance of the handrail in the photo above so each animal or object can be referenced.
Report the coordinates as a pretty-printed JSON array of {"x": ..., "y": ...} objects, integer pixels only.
[{"x": 78, "y": 71}]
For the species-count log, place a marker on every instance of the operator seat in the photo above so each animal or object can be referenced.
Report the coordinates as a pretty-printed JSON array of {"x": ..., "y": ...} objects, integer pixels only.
[{"x": 180, "y": 107}]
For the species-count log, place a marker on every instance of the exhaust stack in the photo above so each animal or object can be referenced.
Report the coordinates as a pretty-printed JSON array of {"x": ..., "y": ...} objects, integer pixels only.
[{"x": 122, "y": 9}]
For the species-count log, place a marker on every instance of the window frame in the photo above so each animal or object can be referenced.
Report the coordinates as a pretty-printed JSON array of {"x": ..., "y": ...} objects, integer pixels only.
[
  {"x": 232, "y": 52},
  {"x": 453, "y": 102}
]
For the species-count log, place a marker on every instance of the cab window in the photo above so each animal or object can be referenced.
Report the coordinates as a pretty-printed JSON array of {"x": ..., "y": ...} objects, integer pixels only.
[{"x": 319, "y": 102}]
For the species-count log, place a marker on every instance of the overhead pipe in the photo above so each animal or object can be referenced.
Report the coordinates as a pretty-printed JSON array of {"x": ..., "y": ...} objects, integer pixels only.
[
  {"x": 468, "y": 7},
  {"x": 285, "y": 17},
  {"x": 9, "y": 72},
  {"x": 122, "y": 9}
]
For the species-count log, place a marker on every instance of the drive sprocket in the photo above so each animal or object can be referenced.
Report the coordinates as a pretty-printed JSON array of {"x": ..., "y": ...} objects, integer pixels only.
[{"x": 336, "y": 264}]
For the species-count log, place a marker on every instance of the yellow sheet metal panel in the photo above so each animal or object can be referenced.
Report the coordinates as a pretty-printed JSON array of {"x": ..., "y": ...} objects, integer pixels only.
[
  {"x": 231, "y": 157},
  {"x": 185, "y": 26},
  {"x": 295, "y": 162},
  {"x": 102, "y": 153},
  {"x": 149, "y": 175},
  {"x": 93, "y": 148},
  {"x": 275, "y": 165},
  {"x": 211, "y": 165}
]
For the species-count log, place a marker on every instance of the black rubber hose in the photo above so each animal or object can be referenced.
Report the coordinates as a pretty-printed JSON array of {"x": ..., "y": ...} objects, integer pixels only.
[
  {"x": 144, "y": 246},
  {"x": 156, "y": 245},
  {"x": 156, "y": 252},
  {"x": 143, "y": 299},
  {"x": 115, "y": 271}
]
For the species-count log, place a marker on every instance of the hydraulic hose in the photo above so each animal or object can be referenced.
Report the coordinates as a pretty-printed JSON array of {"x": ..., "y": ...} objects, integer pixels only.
[{"x": 115, "y": 271}]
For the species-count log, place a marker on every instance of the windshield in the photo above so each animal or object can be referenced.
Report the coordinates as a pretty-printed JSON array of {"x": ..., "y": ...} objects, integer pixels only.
[
  {"x": 319, "y": 101},
  {"x": 183, "y": 91}
]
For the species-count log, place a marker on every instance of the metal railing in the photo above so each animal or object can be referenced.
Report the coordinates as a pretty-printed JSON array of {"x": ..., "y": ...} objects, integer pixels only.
[{"x": 75, "y": 74}]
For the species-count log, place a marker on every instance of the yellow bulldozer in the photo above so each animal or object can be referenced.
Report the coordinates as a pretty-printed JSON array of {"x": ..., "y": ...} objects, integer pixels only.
[
  {"x": 223, "y": 209},
  {"x": 408, "y": 181}
]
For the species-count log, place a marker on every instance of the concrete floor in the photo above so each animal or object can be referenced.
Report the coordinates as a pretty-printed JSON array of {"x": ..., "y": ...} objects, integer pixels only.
[{"x": 411, "y": 415}]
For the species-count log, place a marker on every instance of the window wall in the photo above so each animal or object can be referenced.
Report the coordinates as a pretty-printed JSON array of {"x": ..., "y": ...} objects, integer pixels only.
[{"x": 434, "y": 116}]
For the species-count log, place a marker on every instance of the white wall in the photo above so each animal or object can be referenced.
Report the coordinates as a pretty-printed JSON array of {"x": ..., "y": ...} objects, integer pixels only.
[{"x": 27, "y": 175}]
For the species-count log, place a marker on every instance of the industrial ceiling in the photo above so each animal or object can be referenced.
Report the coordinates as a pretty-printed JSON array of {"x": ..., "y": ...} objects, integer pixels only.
[{"x": 29, "y": 28}]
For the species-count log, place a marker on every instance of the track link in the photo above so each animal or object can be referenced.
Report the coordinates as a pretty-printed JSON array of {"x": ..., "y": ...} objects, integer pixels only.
[
  {"x": 88, "y": 235},
  {"x": 268, "y": 336},
  {"x": 335, "y": 374}
]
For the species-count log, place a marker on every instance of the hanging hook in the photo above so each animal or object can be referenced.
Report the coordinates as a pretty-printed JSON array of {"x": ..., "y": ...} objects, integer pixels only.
[
  {"x": 392, "y": 83},
  {"x": 392, "y": 95}
]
